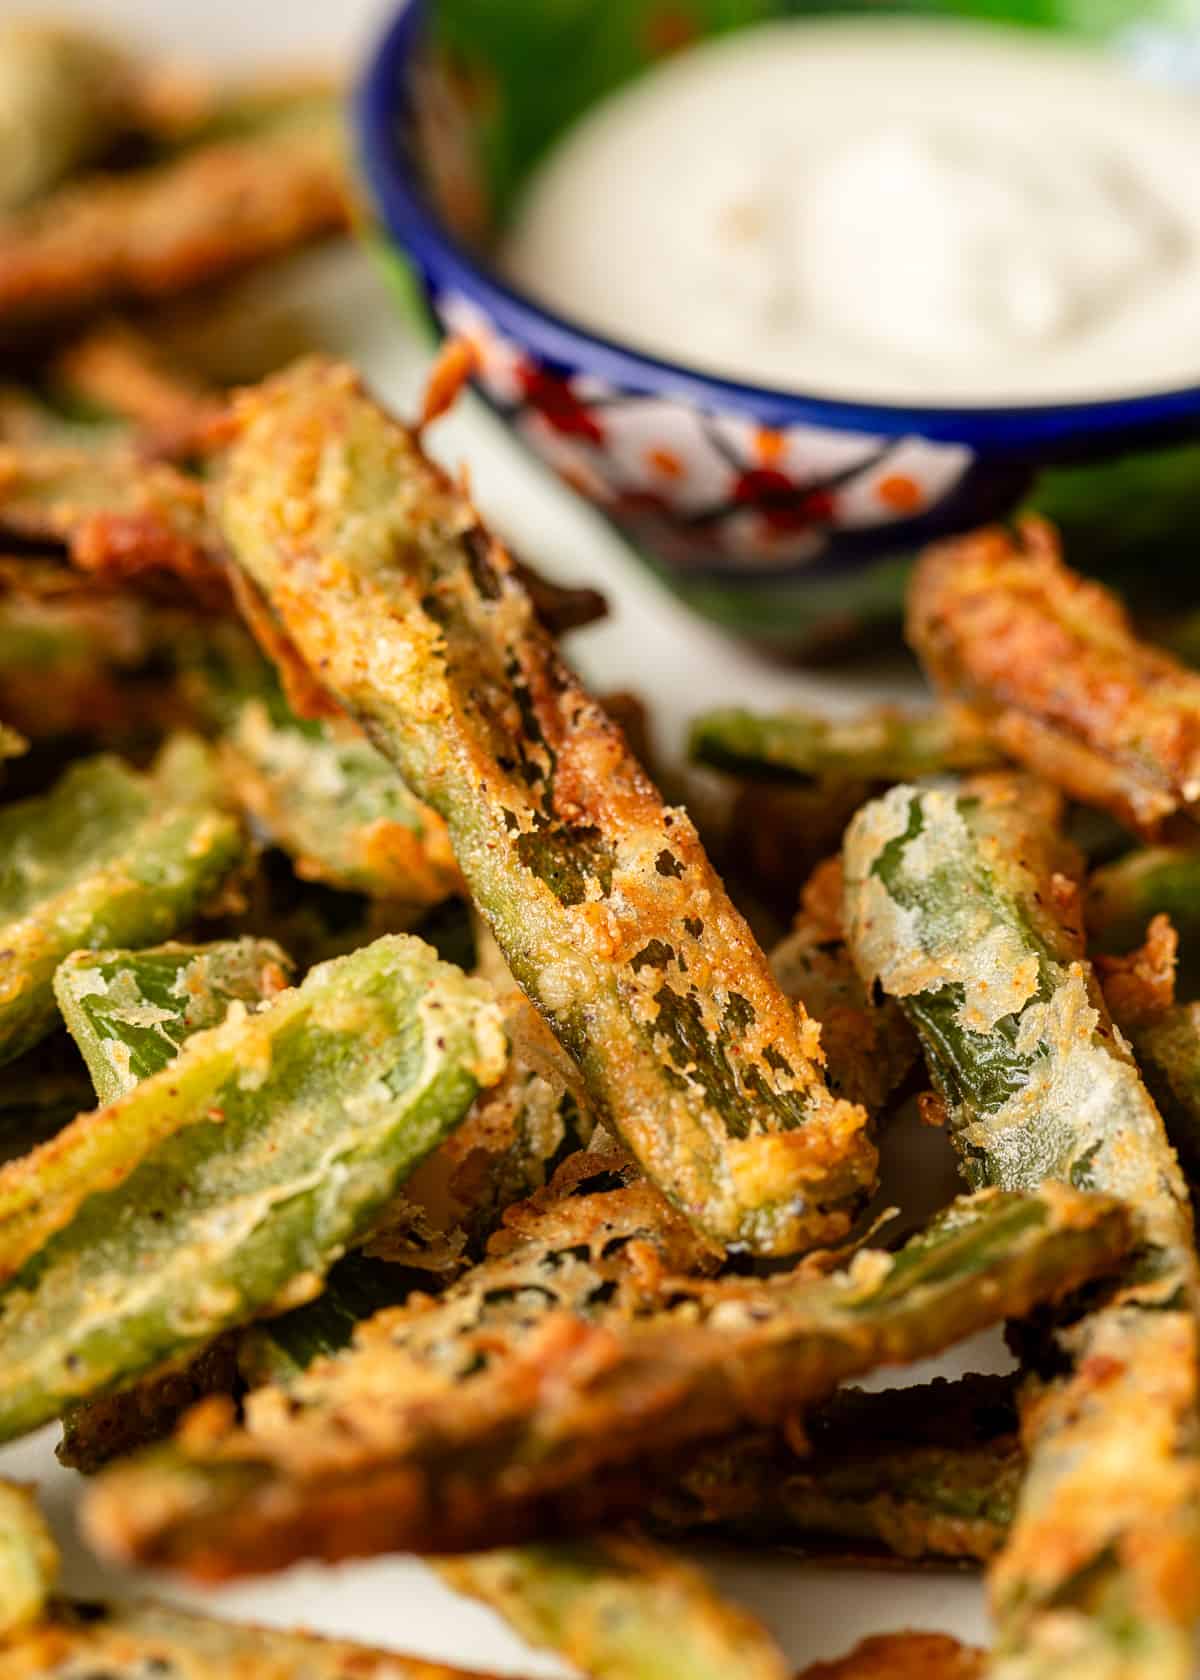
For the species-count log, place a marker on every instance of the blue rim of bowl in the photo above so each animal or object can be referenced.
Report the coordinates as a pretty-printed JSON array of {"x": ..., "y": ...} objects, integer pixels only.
[{"x": 1023, "y": 430}]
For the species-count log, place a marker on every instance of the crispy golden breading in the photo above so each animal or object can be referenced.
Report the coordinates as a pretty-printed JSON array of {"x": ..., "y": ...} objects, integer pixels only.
[
  {"x": 903, "y": 1656},
  {"x": 547, "y": 1389},
  {"x": 112, "y": 1425},
  {"x": 618, "y": 1608},
  {"x": 213, "y": 210},
  {"x": 1140, "y": 987},
  {"x": 608, "y": 909},
  {"x": 118, "y": 515},
  {"x": 120, "y": 370},
  {"x": 1049, "y": 664},
  {"x": 84, "y": 1641}
]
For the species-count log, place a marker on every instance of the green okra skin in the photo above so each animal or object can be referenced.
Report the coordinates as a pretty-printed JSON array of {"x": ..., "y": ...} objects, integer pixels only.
[
  {"x": 131, "y": 1011},
  {"x": 884, "y": 745},
  {"x": 140, "y": 1640},
  {"x": 227, "y": 1184},
  {"x": 619, "y": 1609},
  {"x": 608, "y": 912},
  {"x": 28, "y": 1560},
  {"x": 279, "y": 1349},
  {"x": 507, "y": 1452},
  {"x": 108, "y": 857},
  {"x": 957, "y": 905},
  {"x": 927, "y": 1474},
  {"x": 1124, "y": 896}
]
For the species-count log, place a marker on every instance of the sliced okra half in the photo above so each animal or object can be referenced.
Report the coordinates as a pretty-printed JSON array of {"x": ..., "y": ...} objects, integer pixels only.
[{"x": 227, "y": 1184}]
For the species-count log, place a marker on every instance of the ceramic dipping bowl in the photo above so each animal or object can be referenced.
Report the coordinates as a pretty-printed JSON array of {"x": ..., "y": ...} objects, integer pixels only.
[{"x": 781, "y": 514}]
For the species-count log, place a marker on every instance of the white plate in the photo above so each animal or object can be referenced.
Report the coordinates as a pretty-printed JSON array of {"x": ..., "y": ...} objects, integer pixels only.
[{"x": 679, "y": 665}]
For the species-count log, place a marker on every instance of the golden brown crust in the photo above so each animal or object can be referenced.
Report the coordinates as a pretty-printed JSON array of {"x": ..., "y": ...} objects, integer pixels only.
[
  {"x": 903, "y": 1656},
  {"x": 122, "y": 371},
  {"x": 1140, "y": 987},
  {"x": 1049, "y": 664},
  {"x": 549, "y": 1388},
  {"x": 112, "y": 1425},
  {"x": 609, "y": 910},
  {"x": 213, "y": 211},
  {"x": 134, "y": 1642}
]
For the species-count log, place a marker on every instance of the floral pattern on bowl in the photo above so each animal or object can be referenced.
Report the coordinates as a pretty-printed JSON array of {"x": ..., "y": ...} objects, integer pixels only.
[{"x": 706, "y": 490}]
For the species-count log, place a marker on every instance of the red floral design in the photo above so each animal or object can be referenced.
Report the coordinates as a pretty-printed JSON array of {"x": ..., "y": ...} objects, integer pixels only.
[
  {"x": 784, "y": 506},
  {"x": 558, "y": 405}
]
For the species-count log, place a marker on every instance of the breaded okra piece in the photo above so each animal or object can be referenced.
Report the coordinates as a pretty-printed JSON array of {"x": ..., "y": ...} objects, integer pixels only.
[
  {"x": 212, "y": 210},
  {"x": 136, "y": 1641},
  {"x": 1139, "y": 989},
  {"x": 620, "y": 1609},
  {"x": 546, "y": 1390},
  {"x": 226, "y": 1185},
  {"x": 903, "y": 1656},
  {"x": 65, "y": 95},
  {"x": 883, "y": 745},
  {"x": 963, "y": 906},
  {"x": 28, "y": 1561},
  {"x": 117, "y": 513},
  {"x": 115, "y": 369},
  {"x": 77, "y": 659},
  {"x": 108, "y": 856},
  {"x": 131, "y": 1011},
  {"x": 335, "y": 805},
  {"x": 1124, "y": 896},
  {"x": 601, "y": 897},
  {"x": 926, "y": 1474},
  {"x": 1049, "y": 667},
  {"x": 868, "y": 1045}
]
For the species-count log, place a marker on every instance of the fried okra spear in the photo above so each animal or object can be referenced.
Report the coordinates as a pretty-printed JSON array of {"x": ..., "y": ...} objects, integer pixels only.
[
  {"x": 213, "y": 209},
  {"x": 620, "y": 1609},
  {"x": 136, "y": 1641},
  {"x": 904, "y": 1656},
  {"x": 227, "y": 1184},
  {"x": 601, "y": 898},
  {"x": 1139, "y": 989},
  {"x": 107, "y": 856},
  {"x": 1048, "y": 667},
  {"x": 884, "y": 745},
  {"x": 545, "y": 1390},
  {"x": 28, "y": 1560},
  {"x": 927, "y": 1474},
  {"x": 1124, "y": 896},
  {"x": 963, "y": 906}
]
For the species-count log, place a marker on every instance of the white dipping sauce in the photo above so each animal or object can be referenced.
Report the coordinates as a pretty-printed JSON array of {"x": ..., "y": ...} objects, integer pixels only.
[{"x": 882, "y": 209}]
